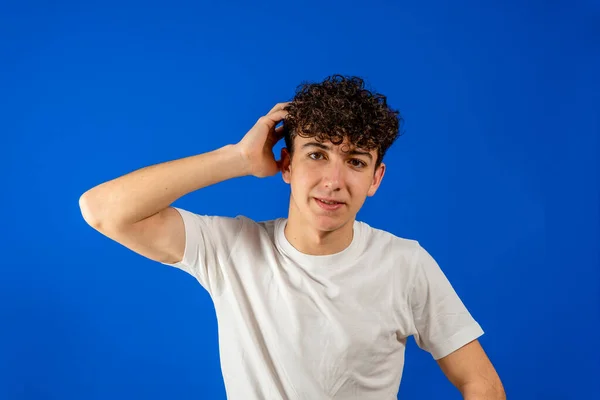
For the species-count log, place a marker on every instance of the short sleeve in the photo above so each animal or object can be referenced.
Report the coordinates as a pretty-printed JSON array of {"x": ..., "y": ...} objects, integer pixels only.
[
  {"x": 442, "y": 322},
  {"x": 209, "y": 241}
]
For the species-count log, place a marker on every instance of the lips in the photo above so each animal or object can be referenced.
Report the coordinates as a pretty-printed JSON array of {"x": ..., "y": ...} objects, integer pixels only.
[
  {"x": 328, "y": 207},
  {"x": 325, "y": 200}
]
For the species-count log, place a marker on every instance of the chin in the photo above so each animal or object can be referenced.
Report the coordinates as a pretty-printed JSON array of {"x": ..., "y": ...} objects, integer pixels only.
[{"x": 329, "y": 223}]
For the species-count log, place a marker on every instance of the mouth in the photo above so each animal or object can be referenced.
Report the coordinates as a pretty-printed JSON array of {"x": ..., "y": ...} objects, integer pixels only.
[{"x": 329, "y": 205}]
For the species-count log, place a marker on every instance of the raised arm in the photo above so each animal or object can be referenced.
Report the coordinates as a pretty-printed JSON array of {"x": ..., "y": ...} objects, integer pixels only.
[{"x": 135, "y": 210}]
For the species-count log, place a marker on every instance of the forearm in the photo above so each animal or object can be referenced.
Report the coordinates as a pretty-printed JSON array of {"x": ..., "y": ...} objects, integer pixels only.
[
  {"x": 483, "y": 392},
  {"x": 145, "y": 192}
]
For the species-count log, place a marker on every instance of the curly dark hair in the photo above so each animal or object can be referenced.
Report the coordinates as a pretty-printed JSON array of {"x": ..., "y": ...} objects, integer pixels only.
[{"x": 341, "y": 107}]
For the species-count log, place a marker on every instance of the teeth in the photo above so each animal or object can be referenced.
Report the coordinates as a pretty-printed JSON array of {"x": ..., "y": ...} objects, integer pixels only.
[{"x": 329, "y": 202}]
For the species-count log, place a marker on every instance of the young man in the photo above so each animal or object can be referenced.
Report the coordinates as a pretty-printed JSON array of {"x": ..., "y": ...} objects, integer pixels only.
[{"x": 316, "y": 305}]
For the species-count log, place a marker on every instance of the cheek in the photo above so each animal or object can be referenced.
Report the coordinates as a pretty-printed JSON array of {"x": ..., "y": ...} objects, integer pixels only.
[
  {"x": 298, "y": 183},
  {"x": 301, "y": 186},
  {"x": 304, "y": 178},
  {"x": 360, "y": 187}
]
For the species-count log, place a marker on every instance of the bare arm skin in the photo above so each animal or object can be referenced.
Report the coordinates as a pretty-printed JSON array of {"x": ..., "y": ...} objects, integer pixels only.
[
  {"x": 471, "y": 371},
  {"x": 135, "y": 209}
]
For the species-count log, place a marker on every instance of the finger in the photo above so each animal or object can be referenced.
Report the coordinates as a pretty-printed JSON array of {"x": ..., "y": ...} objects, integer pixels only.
[
  {"x": 275, "y": 135},
  {"x": 278, "y": 106},
  {"x": 274, "y": 118},
  {"x": 280, "y": 129}
]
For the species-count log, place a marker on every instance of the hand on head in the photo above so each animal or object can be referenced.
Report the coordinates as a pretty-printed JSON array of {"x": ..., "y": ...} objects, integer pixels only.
[{"x": 256, "y": 147}]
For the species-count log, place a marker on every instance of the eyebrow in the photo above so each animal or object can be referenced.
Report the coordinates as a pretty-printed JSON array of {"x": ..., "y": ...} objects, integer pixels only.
[{"x": 353, "y": 152}]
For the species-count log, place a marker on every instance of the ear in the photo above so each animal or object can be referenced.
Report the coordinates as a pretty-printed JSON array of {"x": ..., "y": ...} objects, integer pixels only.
[
  {"x": 377, "y": 178},
  {"x": 286, "y": 165}
]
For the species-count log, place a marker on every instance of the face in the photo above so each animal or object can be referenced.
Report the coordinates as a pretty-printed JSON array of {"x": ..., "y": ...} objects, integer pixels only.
[{"x": 335, "y": 173}]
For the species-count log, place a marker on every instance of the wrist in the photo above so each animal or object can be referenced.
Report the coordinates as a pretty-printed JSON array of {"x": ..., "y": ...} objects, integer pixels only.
[{"x": 239, "y": 159}]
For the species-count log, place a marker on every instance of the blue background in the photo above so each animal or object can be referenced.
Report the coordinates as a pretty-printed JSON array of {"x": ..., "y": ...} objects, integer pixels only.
[{"x": 497, "y": 175}]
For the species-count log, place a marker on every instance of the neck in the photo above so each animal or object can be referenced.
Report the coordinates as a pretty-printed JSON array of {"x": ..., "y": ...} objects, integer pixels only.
[{"x": 308, "y": 238}]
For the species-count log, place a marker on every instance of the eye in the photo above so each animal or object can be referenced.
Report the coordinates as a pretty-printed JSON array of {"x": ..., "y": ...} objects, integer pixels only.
[
  {"x": 358, "y": 163},
  {"x": 315, "y": 156}
]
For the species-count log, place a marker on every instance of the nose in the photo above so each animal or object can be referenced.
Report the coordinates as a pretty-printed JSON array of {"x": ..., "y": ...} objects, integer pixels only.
[{"x": 333, "y": 175}]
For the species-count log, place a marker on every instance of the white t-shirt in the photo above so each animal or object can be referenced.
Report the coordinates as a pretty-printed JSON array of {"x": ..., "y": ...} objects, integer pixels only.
[{"x": 295, "y": 326}]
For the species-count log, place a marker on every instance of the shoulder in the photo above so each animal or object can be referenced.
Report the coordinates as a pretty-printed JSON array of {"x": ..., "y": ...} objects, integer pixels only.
[
  {"x": 402, "y": 249},
  {"x": 229, "y": 224},
  {"x": 403, "y": 256},
  {"x": 212, "y": 220}
]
